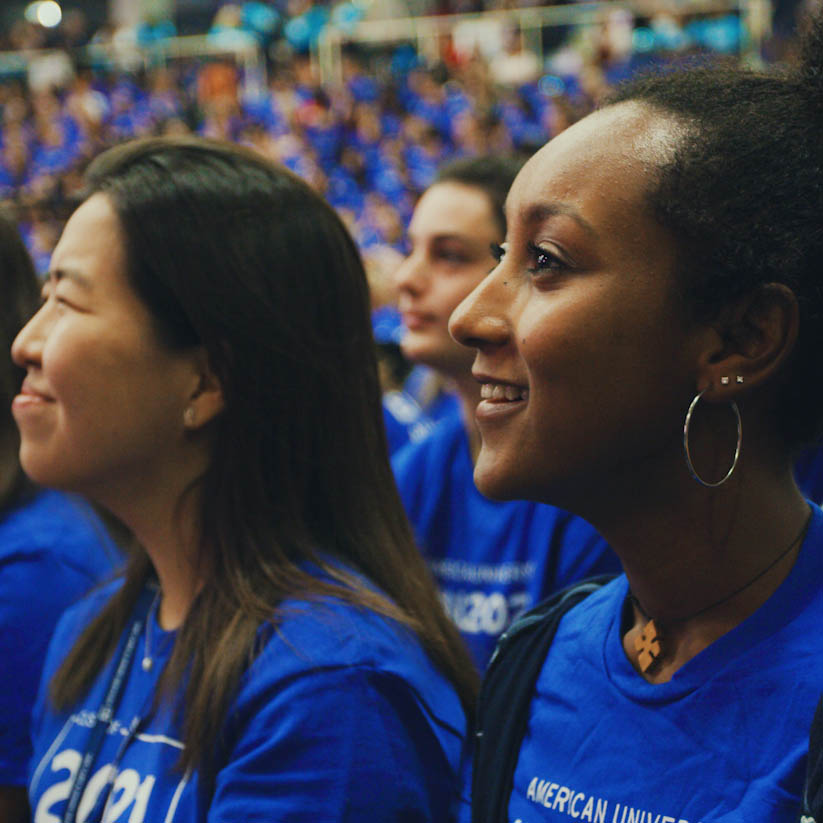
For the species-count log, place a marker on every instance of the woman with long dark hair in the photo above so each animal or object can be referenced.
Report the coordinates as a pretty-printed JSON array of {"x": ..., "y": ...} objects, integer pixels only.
[
  {"x": 203, "y": 368},
  {"x": 648, "y": 349}
]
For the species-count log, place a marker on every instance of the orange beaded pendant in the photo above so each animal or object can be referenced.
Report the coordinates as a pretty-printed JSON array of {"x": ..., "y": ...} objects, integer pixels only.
[{"x": 647, "y": 643}]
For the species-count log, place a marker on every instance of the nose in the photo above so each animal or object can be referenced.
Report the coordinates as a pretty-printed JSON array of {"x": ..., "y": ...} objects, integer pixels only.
[
  {"x": 27, "y": 346},
  {"x": 411, "y": 275},
  {"x": 481, "y": 320}
]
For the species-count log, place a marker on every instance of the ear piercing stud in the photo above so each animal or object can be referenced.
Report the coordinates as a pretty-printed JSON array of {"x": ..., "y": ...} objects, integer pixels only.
[{"x": 724, "y": 381}]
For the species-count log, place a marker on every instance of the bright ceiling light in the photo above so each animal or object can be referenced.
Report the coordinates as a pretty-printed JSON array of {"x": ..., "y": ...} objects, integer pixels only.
[{"x": 47, "y": 13}]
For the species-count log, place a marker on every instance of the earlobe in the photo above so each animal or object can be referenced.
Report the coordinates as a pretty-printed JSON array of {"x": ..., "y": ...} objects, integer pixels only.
[
  {"x": 754, "y": 341},
  {"x": 206, "y": 400}
]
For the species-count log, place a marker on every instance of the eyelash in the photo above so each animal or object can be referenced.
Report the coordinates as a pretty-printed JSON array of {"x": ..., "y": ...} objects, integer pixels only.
[
  {"x": 550, "y": 262},
  {"x": 453, "y": 257}
]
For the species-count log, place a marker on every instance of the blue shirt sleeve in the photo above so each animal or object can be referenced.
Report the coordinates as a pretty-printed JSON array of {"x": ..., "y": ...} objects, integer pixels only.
[
  {"x": 52, "y": 551},
  {"x": 34, "y": 590},
  {"x": 334, "y": 744}
]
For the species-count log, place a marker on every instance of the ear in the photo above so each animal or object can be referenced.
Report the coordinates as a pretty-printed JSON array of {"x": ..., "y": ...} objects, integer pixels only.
[
  {"x": 205, "y": 400},
  {"x": 752, "y": 341}
]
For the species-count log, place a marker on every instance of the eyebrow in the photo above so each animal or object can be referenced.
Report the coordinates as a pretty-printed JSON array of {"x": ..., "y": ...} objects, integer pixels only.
[
  {"x": 71, "y": 274},
  {"x": 441, "y": 235},
  {"x": 542, "y": 211}
]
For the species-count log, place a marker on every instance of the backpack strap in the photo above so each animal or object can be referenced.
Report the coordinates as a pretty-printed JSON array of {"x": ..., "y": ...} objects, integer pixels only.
[
  {"x": 505, "y": 697},
  {"x": 813, "y": 790}
]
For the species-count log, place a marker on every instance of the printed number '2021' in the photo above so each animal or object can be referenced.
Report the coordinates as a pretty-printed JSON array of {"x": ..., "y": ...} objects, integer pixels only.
[{"x": 128, "y": 791}]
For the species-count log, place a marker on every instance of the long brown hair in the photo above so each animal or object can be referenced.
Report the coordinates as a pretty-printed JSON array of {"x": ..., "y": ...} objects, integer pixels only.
[{"x": 236, "y": 254}]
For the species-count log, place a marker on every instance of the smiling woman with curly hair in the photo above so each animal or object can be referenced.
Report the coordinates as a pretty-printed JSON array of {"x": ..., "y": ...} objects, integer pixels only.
[{"x": 655, "y": 320}]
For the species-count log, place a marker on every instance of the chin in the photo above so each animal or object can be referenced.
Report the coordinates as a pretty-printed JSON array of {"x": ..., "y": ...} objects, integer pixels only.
[
  {"x": 501, "y": 479},
  {"x": 496, "y": 481},
  {"x": 46, "y": 472}
]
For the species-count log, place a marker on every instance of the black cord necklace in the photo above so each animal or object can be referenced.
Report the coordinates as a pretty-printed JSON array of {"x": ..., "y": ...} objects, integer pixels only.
[{"x": 649, "y": 643}]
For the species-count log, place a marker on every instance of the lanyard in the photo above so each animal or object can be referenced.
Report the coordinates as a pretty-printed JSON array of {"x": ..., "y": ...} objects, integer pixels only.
[{"x": 108, "y": 706}]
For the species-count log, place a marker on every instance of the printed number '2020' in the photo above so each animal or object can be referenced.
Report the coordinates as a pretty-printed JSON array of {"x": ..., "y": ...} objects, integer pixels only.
[{"x": 479, "y": 612}]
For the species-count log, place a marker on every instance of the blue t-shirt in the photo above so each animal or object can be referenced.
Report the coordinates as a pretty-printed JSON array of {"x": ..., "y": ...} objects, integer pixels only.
[
  {"x": 342, "y": 717},
  {"x": 405, "y": 421},
  {"x": 443, "y": 404},
  {"x": 491, "y": 559},
  {"x": 53, "y": 549},
  {"x": 808, "y": 472},
  {"x": 724, "y": 741}
]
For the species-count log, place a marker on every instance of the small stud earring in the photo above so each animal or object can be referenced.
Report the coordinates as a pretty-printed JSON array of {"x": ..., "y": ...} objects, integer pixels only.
[
  {"x": 739, "y": 378},
  {"x": 724, "y": 381},
  {"x": 189, "y": 415}
]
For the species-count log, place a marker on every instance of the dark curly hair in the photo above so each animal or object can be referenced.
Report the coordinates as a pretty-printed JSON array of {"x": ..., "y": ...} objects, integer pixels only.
[{"x": 743, "y": 197}]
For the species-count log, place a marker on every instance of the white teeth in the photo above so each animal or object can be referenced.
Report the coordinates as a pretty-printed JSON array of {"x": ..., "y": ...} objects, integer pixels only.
[{"x": 497, "y": 391}]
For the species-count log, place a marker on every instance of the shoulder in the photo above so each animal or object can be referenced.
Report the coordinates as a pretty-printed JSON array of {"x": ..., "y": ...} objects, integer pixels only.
[
  {"x": 60, "y": 529},
  {"x": 331, "y": 639},
  {"x": 77, "y": 616},
  {"x": 341, "y": 716},
  {"x": 329, "y": 632},
  {"x": 70, "y": 626},
  {"x": 584, "y": 604}
]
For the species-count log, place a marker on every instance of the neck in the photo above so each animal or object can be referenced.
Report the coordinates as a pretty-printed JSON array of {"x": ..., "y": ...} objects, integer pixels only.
[
  {"x": 683, "y": 558},
  {"x": 163, "y": 516},
  {"x": 169, "y": 539}
]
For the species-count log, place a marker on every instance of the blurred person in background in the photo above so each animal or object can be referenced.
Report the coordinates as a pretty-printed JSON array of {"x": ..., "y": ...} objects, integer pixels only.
[
  {"x": 491, "y": 560},
  {"x": 53, "y": 549}
]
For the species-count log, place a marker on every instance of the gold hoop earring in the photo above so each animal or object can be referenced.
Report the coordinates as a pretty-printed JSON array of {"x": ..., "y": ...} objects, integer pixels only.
[{"x": 689, "y": 463}]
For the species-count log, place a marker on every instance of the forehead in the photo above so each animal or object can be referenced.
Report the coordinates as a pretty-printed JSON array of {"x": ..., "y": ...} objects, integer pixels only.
[
  {"x": 602, "y": 166},
  {"x": 451, "y": 208},
  {"x": 92, "y": 235}
]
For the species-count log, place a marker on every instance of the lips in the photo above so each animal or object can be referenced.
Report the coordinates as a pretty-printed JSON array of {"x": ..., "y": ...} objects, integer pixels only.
[
  {"x": 415, "y": 320},
  {"x": 29, "y": 395}
]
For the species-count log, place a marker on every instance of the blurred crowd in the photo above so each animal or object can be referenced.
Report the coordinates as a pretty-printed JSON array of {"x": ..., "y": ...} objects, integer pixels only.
[{"x": 370, "y": 143}]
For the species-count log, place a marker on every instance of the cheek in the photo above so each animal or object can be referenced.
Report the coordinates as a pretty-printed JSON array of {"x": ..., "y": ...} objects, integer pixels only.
[
  {"x": 93, "y": 378},
  {"x": 67, "y": 363},
  {"x": 558, "y": 342}
]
